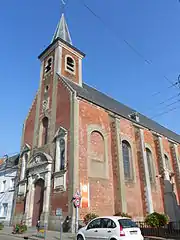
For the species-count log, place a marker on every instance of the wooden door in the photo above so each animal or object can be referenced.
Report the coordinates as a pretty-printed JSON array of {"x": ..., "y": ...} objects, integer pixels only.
[{"x": 38, "y": 201}]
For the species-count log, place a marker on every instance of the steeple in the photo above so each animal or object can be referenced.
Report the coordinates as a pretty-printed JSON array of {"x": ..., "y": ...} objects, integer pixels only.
[{"x": 62, "y": 31}]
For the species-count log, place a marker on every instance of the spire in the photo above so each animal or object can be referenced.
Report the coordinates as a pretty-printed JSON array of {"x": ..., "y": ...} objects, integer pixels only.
[{"x": 62, "y": 31}]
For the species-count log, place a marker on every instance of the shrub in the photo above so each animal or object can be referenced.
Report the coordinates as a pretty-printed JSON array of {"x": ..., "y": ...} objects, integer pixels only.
[
  {"x": 156, "y": 219},
  {"x": 1, "y": 226},
  {"x": 122, "y": 215},
  {"x": 20, "y": 228},
  {"x": 88, "y": 217}
]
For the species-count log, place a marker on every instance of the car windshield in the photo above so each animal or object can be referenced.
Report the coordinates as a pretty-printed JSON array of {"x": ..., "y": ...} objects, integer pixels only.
[{"x": 127, "y": 223}]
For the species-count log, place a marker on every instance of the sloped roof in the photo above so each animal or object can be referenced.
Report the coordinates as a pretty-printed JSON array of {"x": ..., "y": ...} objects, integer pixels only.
[
  {"x": 10, "y": 163},
  {"x": 62, "y": 31},
  {"x": 91, "y": 94}
]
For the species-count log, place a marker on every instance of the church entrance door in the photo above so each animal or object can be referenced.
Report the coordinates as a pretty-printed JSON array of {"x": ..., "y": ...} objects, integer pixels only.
[{"x": 38, "y": 201}]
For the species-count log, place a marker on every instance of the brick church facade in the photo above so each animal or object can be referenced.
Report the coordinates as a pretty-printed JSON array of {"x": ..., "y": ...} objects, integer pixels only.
[{"x": 77, "y": 138}]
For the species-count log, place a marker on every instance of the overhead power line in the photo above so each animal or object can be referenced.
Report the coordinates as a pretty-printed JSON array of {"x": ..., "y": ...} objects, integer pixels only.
[
  {"x": 135, "y": 50},
  {"x": 170, "y": 98},
  {"x": 165, "y": 112},
  {"x": 163, "y": 102}
]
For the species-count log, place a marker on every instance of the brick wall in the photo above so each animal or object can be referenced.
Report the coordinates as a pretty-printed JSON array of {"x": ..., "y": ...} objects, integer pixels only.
[
  {"x": 101, "y": 190},
  {"x": 29, "y": 124},
  {"x": 58, "y": 199},
  {"x": 156, "y": 187},
  {"x": 73, "y": 77},
  {"x": 134, "y": 197}
]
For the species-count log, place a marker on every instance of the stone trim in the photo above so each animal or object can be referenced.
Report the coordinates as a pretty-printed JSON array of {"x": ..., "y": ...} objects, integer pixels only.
[
  {"x": 177, "y": 160},
  {"x": 80, "y": 72},
  {"x": 91, "y": 128},
  {"x": 74, "y": 183},
  {"x": 132, "y": 163},
  {"x": 45, "y": 65},
  {"x": 60, "y": 135},
  {"x": 169, "y": 158},
  {"x": 147, "y": 186},
  {"x": 70, "y": 89},
  {"x": 120, "y": 166},
  {"x": 36, "y": 123},
  {"x": 66, "y": 69},
  {"x": 152, "y": 163}
]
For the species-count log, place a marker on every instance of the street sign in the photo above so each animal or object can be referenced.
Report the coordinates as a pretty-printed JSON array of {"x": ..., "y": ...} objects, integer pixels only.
[
  {"x": 59, "y": 212},
  {"x": 77, "y": 199},
  {"x": 77, "y": 203}
]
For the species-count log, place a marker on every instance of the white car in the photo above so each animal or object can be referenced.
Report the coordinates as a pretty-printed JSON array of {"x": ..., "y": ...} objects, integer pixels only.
[{"x": 110, "y": 228}]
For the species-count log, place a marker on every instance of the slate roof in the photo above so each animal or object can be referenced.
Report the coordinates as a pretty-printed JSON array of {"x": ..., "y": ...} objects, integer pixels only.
[
  {"x": 90, "y": 94},
  {"x": 62, "y": 31},
  {"x": 12, "y": 162}
]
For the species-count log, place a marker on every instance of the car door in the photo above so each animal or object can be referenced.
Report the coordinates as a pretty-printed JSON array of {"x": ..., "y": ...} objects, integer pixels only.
[
  {"x": 108, "y": 228},
  {"x": 92, "y": 231}
]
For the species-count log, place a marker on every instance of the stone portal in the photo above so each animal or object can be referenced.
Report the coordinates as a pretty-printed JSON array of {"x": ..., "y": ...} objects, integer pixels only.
[{"x": 38, "y": 201}]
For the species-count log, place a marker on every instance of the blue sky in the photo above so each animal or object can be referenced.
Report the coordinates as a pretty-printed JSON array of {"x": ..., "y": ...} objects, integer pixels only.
[{"x": 151, "y": 26}]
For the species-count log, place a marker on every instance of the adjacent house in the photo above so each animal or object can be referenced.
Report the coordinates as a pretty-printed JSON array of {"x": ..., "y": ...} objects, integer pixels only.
[{"x": 8, "y": 175}]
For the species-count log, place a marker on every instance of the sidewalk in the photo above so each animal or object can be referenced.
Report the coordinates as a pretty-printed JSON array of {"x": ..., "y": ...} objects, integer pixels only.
[
  {"x": 52, "y": 235},
  {"x": 32, "y": 234}
]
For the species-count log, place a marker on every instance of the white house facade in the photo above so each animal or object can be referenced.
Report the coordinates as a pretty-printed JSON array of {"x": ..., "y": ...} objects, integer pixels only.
[{"x": 8, "y": 175}]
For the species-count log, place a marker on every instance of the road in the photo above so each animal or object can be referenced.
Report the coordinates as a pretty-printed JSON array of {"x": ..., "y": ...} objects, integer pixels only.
[{"x": 4, "y": 237}]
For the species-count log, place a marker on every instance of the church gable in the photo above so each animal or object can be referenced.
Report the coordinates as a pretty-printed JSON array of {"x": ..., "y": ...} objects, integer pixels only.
[{"x": 29, "y": 124}]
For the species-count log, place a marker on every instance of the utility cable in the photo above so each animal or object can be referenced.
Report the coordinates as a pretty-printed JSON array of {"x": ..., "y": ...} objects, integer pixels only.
[
  {"x": 137, "y": 52},
  {"x": 160, "y": 104},
  {"x": 165, "y": 112}
]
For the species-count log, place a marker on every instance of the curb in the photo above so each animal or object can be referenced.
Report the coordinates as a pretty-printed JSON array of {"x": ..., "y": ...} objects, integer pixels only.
[{"x": 28, "y": 237}]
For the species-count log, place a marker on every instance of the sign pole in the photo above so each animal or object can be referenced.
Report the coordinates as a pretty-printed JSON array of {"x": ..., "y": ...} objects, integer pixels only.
[
  {"x": 60, "y": 229},
  {"x": 77, "y": 219}
]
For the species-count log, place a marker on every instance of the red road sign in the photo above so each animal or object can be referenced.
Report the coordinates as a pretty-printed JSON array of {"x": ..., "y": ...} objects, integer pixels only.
[
  {"x": 77, "y": 203},
  {"x": 77, "y": 199}
]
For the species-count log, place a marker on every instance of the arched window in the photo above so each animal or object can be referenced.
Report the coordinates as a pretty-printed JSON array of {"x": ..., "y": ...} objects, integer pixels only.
[
  {"x": 127, "y": 160},
  {"x": 167, "y": 162},
  {"x": 97, "y": 146},
  {"x": 61, "y": 150},
  {"x": 70, "y": 64},
  {"x": 48, "y": 65},
  {"x": 62, "y": 153},
  {"x": 150, "y": 165},
  {"x": 45, "y": 123}
]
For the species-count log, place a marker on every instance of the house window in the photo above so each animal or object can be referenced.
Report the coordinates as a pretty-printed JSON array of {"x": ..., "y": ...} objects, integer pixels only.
[
  {"x": 70, "y": 64},
  {"x": 48, "y": 65},
  {"x": 150, "y": 165},
  {"x": 127, "y": 160},
  {"x": 4, "y": 186},
  {"x": 12, "y": 184},
  {"x": 5, "y": 209},
  {"x": 45, "y": 123}
]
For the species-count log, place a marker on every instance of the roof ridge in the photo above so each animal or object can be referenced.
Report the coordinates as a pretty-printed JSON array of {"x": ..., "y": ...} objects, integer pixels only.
[{"x": 103, "y": 100}]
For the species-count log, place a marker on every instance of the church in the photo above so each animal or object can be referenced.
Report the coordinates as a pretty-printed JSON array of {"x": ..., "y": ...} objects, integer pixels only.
[{"x": 76, "y": 138}]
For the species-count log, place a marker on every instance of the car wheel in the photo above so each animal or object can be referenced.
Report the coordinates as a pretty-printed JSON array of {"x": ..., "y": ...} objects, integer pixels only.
[{"x": 79, "y": 237}]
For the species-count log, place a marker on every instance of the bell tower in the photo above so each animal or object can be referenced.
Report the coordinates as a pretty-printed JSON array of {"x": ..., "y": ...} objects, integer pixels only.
[
  {"x": 61, "y": 58},
  {"x": 67, "y": 58}
]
